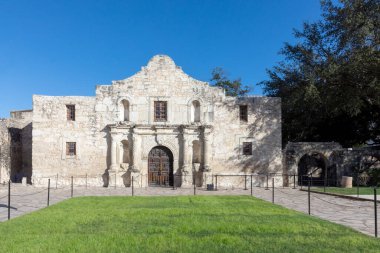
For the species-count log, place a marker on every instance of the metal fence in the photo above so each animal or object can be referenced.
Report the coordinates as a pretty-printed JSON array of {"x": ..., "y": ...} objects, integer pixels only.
[{"x": 275, "y": 187}]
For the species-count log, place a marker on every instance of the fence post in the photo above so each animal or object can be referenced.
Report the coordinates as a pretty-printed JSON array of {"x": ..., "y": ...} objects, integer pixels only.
[
  {"x": 308, "y": 196},
  {"x": 251, "y": 186},
  {"x": 245, "y": 182},
  {"x": 357, "y": 185},
  {"x": 115, "y": 179},
  {"x": 273, "y": 190},
  {"x": 72, "y": 186},
  {"x": 216, "y": 182},
  {"x": 9, "y": 199},
  {"x": 294, "y": 181},
  {"x": 324, "y": 182},
  {"x": 132, "y": 187},
  {"x": 48, "y": 197},
  {"x": 195, "y": 187},
  {"x": 375, "y": 203},
  {"x": 267, "y": 188},
  {"x": 311, "y": 178}
]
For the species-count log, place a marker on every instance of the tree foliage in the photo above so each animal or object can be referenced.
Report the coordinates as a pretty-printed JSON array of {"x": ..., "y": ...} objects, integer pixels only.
[
  {"x": 232, "y": 87},
  {"x": 329, "y": 80}
]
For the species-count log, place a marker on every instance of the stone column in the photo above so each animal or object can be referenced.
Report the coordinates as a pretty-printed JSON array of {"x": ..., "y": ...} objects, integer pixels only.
[
  {"x": 190, "y": 155},
  {"x": 136, "y": 150},
  {"x": 185, "y": 166},
  {"x": 207, "y": 155},
  {"x": 113, "y": 153},
  {"x": 187, "y": 175},
  {"x": 206, "y": 151}
]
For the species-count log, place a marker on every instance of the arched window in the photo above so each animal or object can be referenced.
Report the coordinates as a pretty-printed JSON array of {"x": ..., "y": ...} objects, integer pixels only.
[
  {"x": 195, "y": 111},
  {"x": 124, "y": 108},
  {"x": 196, "y": 152}
]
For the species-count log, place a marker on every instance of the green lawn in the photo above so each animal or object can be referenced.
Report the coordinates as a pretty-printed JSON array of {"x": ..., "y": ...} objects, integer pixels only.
[
  {"x": 345, "y": 191},
  {"x": 176, "y": 224}
]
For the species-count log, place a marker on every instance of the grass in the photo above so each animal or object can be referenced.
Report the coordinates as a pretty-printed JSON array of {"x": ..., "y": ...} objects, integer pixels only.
[
  {"x": 176, "y": 224},
  {"x": 345, "y": 191}
]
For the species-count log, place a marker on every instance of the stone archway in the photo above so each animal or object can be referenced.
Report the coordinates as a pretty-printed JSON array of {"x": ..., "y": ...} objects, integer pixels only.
[
  {"x": 312, "y": 166},
  {"x": 160, "y": 167}
]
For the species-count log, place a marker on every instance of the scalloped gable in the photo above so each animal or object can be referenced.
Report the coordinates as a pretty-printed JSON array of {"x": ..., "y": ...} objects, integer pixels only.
[{"x": 161, "y": 71}]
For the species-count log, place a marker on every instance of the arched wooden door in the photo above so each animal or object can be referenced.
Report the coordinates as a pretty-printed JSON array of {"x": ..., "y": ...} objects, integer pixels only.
[{"x": 160, "y": 167}]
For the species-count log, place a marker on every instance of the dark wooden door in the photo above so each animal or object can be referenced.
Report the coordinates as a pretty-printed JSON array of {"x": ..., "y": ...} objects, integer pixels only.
[{"x": 160, "y": 167}]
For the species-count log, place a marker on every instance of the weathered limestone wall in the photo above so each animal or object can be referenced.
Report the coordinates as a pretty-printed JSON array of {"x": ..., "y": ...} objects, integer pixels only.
[
  {"x": 5, "y": 157},
  {"x": 51, "y": 131},
  {"x": 200, "y": 119},
  {"x": 20, "y": 130},
  {"x": 263, "y": 129},
  {"x": 160, "y": 80},
  {"x": 15, "y": 146},
  {"x": 295, "y": 150}
]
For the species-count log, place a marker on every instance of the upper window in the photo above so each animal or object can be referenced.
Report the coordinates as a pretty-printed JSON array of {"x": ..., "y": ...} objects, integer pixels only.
[
  {"x": 243, "y": 113},
  {"x": 247, "y": 148},
  {"x": 71, "y": 148},
  {"x": 160, "y": 111},
  {"x": 125, "y": 105},
  {"x": 195, "y": 111},
  {"x": 70, "y": 112}
]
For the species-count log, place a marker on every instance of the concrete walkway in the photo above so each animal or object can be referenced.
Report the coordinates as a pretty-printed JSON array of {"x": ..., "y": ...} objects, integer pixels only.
[{"x": 356, "y": 214}]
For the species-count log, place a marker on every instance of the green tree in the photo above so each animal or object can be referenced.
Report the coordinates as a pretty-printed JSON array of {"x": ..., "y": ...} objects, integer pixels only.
[
  {"x": 232, "y": 87},
  {"x": 329, "y": 81}
]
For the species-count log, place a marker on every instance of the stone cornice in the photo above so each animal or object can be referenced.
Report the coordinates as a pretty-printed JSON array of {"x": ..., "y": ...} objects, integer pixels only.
[{"x": 181, "y": 127}]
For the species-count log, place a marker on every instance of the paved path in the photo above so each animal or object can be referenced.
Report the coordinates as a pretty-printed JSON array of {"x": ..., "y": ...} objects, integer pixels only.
[{"x": 356, "y": 214}]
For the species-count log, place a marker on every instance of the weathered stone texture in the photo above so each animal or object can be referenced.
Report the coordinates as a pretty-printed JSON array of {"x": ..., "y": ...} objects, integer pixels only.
[
  {"x": 51, "y": 131},
  {"x": 16, "y": 146},
  {"x": 115, "y": 131},
  {"x": 5, "y": 157}
]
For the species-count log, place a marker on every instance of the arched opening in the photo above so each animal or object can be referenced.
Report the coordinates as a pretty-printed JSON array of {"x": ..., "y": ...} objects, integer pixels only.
[
  {"x": 312, "y": 167},
  {"x": 195, "y": 111},
  {"x": 124, "y": 108},
  {"x": 160, "y": 167},
  {"x": 196, "y": 152}
]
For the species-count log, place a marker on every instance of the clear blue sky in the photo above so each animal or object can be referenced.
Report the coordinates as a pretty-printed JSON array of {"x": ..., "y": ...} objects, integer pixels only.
[{"x": 66, "y": 47}]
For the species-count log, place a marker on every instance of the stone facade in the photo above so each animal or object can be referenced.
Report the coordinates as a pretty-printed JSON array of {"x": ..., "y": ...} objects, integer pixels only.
[
  {"x": 16, "y": 147},
  {"x": 327, "y": 159},
  {"x": 115, "y": 131}
]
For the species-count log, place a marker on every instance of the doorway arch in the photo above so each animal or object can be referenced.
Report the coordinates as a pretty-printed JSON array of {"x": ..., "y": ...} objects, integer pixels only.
[
  {"x": 314, "y": 167},
  {"x": 160, "y": 167}
]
